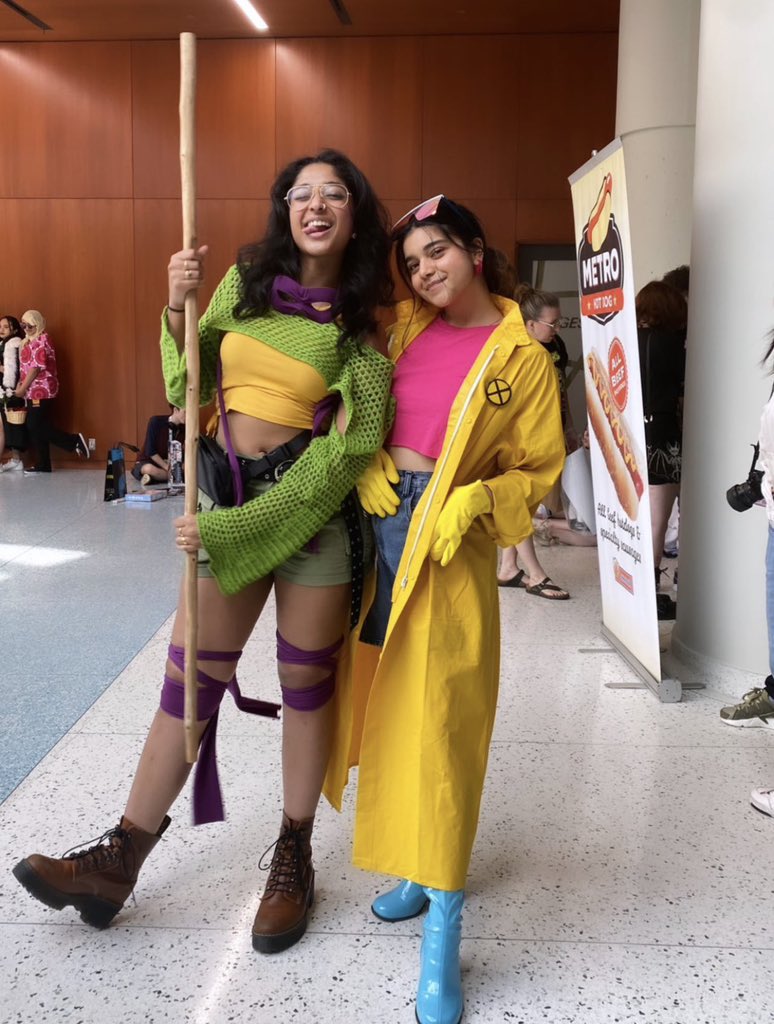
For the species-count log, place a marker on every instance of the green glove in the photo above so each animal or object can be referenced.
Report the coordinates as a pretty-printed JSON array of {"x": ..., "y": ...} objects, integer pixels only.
[
  {"x": 461, "y": 508},
  {"x": 374, "y": 488}
]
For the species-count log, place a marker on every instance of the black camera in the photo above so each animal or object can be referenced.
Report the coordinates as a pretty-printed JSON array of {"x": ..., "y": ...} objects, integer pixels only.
[{"x": 743, "y": 496}]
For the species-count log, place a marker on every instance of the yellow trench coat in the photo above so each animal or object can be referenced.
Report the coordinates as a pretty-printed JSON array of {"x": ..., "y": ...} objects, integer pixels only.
[{"x": 418, "y": 718}]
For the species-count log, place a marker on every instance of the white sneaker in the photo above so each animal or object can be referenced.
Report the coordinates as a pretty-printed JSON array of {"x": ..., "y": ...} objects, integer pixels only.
[
  {"x": 81, "y": 448},
  {"x": 763, "y": 800},
  {"x": 11, "y": 466}
]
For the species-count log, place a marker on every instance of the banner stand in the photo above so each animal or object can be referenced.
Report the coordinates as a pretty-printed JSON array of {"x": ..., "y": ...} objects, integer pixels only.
[
  {"x": 668, "y": 691},
  {"x": 614, "y": 402}
]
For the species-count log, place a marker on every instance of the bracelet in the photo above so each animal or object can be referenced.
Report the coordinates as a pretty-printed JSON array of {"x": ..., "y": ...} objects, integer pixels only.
[{"x": 174, "y": 309}]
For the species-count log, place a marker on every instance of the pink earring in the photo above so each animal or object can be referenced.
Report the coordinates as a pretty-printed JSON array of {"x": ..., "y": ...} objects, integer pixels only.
[{"x": 479, "y": 269}]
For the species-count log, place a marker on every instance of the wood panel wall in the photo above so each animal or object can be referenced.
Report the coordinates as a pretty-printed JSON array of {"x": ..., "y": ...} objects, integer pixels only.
[{"x": 89, "y": 170}]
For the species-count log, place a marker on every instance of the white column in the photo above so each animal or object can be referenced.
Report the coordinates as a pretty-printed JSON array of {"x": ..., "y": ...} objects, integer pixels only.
[
  {"x": 655, "y": 118},
  {"x": 721, "y": 609}
]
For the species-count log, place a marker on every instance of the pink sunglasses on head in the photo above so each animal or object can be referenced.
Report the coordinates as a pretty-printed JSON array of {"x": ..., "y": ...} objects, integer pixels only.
[{"x": 427, "y": 208}]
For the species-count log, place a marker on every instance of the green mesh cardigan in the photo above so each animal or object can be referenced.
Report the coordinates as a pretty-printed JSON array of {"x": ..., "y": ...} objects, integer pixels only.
[{"x": 246, "y": 543}]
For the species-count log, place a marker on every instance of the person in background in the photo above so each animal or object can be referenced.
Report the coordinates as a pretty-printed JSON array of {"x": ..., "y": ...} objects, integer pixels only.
[
  {"x": 152, "y": 465},
  {"x": 570, "y": 530},
  {"x": 563, "y": 531},
  {"x": 476, "y": 443},
  {"x": 679, "y": 278},
  {"x": 542, "y": 315},
  {"x": 661, "y": 318},
  {"x": 304, "y": 404},
  {"x": 756, "y": 708},
  {"x": 38, "y": 385},
  {"x": 13, "y": 434}
]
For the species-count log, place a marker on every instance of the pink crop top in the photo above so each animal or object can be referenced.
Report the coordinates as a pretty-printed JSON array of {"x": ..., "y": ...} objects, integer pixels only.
[{"x": 426, "y": 381}]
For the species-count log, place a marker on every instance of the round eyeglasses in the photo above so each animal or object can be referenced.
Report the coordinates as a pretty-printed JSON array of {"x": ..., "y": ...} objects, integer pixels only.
[{"x": 330, "y": 193}]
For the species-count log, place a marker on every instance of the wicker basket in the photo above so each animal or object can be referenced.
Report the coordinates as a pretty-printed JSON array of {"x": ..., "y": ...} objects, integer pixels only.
[{"x": 16, "y": 416}]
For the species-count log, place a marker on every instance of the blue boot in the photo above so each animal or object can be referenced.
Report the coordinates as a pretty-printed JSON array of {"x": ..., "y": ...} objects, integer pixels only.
[
  {"x": 439, "y": 997},
  {"x": 405, "y": 901}
]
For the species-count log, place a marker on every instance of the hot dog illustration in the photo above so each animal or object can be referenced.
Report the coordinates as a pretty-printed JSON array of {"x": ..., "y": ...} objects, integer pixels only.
[
  {"x": 624, "y": 463},
  {"x": 599, "y": 218}
]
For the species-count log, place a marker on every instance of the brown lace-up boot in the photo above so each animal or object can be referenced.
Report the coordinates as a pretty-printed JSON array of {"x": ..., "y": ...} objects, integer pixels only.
[
  {"x": 284, "y": 910},
  {"x": 96, "y": 881}
]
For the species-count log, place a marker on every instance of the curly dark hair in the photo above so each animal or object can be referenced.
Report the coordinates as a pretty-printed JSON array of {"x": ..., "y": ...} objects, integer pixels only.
[
  {"x": 366, "y": 282},
  {"x": 679, "y": 278},
  {"x": 769, "y": 351},
  {"x": 463, "y": 229},
  {"x": 14, "y": 324}
]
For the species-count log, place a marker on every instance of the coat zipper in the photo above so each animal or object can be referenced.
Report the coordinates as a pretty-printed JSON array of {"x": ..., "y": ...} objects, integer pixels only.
[{"x": 460, "y": 420}]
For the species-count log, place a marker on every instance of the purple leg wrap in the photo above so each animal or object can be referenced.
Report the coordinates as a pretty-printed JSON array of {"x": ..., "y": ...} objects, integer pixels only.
[
  {"x": 309, "y": 698},
  {"x": 207, "y": 799}
]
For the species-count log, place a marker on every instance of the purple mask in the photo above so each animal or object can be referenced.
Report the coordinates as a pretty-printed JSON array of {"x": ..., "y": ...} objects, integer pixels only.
[{"x": 288, "y": 296}]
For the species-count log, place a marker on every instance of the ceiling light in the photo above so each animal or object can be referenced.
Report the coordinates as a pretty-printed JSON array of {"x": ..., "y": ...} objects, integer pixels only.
[{"x": 251, "y": 14}]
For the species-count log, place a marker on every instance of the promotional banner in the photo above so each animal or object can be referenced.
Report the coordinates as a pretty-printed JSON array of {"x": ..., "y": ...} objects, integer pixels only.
[{"x": 614, "y": 401}]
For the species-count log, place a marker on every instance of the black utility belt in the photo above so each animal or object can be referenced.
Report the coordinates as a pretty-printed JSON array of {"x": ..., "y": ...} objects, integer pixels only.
[
  {"x": 274, "y": 465},
  {"x": 214, "y": 471}
]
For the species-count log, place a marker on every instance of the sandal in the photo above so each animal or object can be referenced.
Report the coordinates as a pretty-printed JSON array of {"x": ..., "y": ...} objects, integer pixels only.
[
  {"x": 514, "y": 581},
  {"x": 546, "y": 588}
]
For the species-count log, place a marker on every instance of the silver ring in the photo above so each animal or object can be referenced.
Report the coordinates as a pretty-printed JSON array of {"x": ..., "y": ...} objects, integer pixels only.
[{"x": 187, "y": 275}]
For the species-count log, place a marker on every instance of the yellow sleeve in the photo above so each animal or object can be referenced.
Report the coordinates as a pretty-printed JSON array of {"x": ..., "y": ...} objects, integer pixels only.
[{"x": 531, "y": 456}]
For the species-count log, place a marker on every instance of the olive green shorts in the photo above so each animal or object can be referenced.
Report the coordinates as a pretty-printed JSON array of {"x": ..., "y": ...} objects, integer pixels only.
[{"x": 324, "y": 562}]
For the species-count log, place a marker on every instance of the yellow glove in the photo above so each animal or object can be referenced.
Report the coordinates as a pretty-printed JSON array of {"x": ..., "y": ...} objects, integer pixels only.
[
  {"x": 461, "y": 508},
  {"x": 374, "y": 488}
]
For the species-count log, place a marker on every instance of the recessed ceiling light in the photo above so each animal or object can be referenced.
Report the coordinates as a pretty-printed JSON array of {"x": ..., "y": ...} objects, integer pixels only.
[{"x": 251, "y": 14}]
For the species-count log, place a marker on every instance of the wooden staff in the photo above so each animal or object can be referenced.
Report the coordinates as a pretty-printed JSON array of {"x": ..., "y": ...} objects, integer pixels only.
[{"x": 188, "y": 180}]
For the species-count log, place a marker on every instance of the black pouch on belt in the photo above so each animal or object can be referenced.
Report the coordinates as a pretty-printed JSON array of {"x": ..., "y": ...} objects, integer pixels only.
[
  {"x": 217, "y": 480},
  {"x": 214, "y": 475}
]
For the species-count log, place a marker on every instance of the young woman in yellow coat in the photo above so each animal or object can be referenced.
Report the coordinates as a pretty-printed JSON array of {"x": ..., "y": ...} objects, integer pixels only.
[{"x": 476, "y": 444}]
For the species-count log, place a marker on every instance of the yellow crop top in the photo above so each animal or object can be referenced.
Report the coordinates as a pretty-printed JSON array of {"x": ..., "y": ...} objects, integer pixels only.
[{"x": 261, "y": 381}]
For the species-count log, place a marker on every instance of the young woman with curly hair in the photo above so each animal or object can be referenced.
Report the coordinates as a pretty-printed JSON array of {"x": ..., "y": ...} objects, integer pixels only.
[{"x": 304, "y": 404}]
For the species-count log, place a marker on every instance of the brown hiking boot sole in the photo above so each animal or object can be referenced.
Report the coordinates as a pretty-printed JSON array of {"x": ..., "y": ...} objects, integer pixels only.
[
  {"x": 95, "y": 912},
  {"x": 284, "y": 940}
]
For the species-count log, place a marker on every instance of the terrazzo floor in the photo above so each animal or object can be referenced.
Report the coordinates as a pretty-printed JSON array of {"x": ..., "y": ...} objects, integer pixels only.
[{"x": 619, "y": 874}]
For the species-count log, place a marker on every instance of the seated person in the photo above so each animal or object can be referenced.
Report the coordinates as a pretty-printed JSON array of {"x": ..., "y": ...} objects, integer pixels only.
[
  {"x": 565, "y": 531},
  {"x": 572, "y": 529},
  {"x": 153, "y": 461}
]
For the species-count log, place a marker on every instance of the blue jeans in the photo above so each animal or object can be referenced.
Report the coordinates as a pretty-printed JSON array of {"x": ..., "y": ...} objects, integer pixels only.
[{"x": 390, "y": 536}]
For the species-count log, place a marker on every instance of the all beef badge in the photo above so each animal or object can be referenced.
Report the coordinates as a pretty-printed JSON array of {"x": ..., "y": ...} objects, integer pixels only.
[{"x": 601, "y": 269}]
